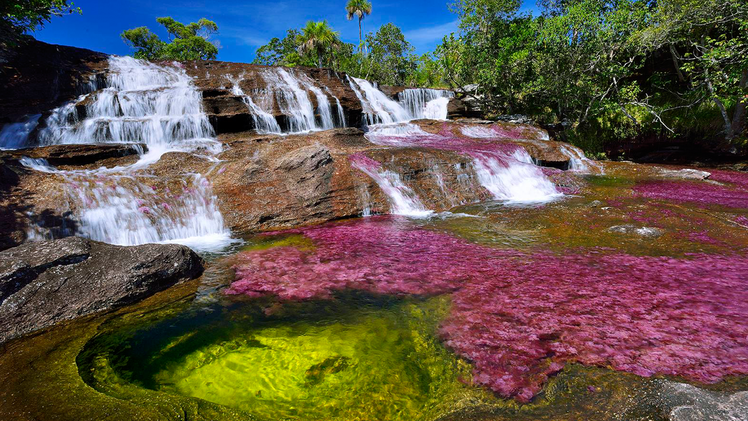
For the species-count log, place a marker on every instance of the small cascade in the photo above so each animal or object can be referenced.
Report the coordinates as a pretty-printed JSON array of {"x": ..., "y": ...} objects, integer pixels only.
[
  {"x": 504, "y": 169},
  {"x": 324, "y": 110},
  {"x": 141, "y": 103},
  {"x": 378, "y": 107},
  {"x": 293, "y": 100},
  {"x": 16, "y": 135},
  {"x": 129, "y": 212},
  {"x": 579, "y": 162},
  {"x": 514, "y": 178},
  {"x": 426, "y": 103},
  {"x": 340, "y": 113},
  {"x": 264, "y": 122},
  {"x": 402, "y": 198}
]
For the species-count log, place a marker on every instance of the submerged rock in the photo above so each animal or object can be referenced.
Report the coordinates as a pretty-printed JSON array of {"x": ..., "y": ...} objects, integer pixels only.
[{"x": 43, "y": 283}]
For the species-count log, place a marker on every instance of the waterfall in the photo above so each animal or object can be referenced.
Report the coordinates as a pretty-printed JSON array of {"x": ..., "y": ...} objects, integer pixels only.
[
  {"x": 141, "y": 103},
  {"x": 402, "y": 199},
  {"x": 295, "y": 103},
  {"x": 513, "y": 178},
  {"x": 264, "y": 122},
  {"x": 426, "y": 103},
  {"x": 339, "y": 110},
  {"x": 579, "y": 162},
  {"x": 378, "y": 107},
  {"x": 323, "y": 103},
  {"x": 503, "y": 169},
  {"x": 16, "y": 135}
]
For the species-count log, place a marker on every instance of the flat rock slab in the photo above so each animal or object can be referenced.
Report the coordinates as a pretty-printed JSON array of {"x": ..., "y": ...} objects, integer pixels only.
[
  {"x": 79, "y": 155},
  {"x": 43, "y": 283}
]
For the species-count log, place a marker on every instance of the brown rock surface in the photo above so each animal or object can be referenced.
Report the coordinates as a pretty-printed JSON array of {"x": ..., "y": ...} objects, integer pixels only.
[{"x": 44, "y": 283}]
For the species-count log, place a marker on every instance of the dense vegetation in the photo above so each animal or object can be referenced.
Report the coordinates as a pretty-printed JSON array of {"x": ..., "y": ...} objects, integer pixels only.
[
  {"x": 384, "y": 56},
  {"x": 186, "y": 42},
  {"x": 608, "y": 69},
  {"x": 20, "y": 16}
]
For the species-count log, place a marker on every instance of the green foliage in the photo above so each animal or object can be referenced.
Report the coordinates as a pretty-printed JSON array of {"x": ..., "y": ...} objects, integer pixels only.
[
  {"x": 186, "y": 42},
  {"x": 606, "y": 69},
  {"x": 359, "y": 9},
  {"x": 387, "y": 57},
  {"x": 319, "y": 40},
  {"x": 280, "y": 52},
  {"x": 20, "y": 16}
]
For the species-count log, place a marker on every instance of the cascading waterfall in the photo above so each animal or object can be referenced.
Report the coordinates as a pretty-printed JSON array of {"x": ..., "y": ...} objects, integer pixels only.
[
  {"x": 513, "y": 178},
  {"x": 16, "y": 135},
  {"x": 142, "y": 103},
  {"x": 160, "y": 107},
  {"x": 426, "y": 103},
  {"x": 295, "y": 103},
  {"x": 402, "y": 199},
  {"x": 506, "y": 171},
  {"x": 378, "y": 107},
  {"x": 264, "y": 122},
  {"x": 341, "y": 122},
  {"x": 579, "y": 162}
]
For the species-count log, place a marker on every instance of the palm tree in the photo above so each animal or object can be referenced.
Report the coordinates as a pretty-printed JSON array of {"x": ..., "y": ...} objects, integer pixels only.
[
  {"x": 358, "y": 8},
  {"x": 319, "y": 38}
]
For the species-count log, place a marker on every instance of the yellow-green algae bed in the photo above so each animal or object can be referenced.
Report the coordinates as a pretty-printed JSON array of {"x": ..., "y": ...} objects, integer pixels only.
[{"x": 193, "y": 353}]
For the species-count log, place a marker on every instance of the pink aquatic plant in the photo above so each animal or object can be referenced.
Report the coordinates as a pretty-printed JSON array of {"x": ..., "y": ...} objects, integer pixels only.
[
  {"x": 700, "y": 192},
  {"x": 519, "y": 317}
]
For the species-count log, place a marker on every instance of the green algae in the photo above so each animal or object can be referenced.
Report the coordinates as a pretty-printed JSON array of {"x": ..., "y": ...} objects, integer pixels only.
[
  {"x": 358, "y": 358},
  {"x": 354, "y": 358}
]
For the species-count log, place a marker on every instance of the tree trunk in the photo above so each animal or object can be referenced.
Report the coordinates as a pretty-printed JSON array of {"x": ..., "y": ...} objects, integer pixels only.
[
  {"x": 319, "y": 59},
  {"x": 738, "y": 118},
  {"x": 360, "y": 35},
  {"x": 720, "y": 105},
  {"x": 674, "y": 56}
]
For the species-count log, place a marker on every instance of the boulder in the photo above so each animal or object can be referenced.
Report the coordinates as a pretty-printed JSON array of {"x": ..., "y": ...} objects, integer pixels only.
[{"x": 44, "y": 283}]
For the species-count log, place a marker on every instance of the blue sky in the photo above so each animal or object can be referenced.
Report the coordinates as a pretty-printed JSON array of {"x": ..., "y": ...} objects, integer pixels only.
[{"x": 244, "y": 25}]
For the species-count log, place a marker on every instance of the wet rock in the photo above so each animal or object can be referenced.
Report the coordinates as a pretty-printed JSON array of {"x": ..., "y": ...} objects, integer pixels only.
[
  {"x": 632, "y": 229},
  {"x": 42, "y": 76},
  {"x": 79, "y": 155},
  {"x": 685, "y": 174},
  {"x": 44, "y": 283}
]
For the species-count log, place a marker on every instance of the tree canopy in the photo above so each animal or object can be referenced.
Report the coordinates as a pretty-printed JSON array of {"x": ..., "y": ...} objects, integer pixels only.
[
  {"x": 186, "y": 42},
  {"x": 359, "y": 9},
  {"x": 606, "y": 68},
  {"x": 20, "y": 16}
]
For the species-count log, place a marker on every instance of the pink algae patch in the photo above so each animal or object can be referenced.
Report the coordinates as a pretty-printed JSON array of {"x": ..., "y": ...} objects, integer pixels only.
[
  {"x": 700, "y": 192},
  {"x": 519, "y": 317}
]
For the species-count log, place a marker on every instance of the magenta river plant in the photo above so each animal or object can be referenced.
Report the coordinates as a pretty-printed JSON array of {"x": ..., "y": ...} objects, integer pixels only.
[{"x": 519, "y": 317}]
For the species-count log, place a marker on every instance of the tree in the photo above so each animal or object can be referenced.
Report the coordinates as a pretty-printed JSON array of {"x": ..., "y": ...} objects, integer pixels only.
[
  {"x": 359, "y": 8},
  {"x": 20, "y": 16},
  {"x": 708, "y": 44},
  {"x": 186, "y": 42},
  {"x": 390, "y": 59},
  {"x": 319, "y": 38},
  {"x": 279, "y": 52}
]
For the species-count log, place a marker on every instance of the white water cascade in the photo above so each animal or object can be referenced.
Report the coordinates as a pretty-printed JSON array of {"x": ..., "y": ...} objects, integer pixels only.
[
  {"x": 16, "y": 135},
  {"x": 426, "y": 103},
  {"x": 378, "y": 107},
  {"x": 264, "y": 122},
  {"x": 514, "y": 179},
  {"x": 402, "y": 199},
  {"x": 142, "y": 103},
  {"x": 511, "y": 177},
  {"x": 293, "y": 100},
  {"x": 160, "y": 107}
]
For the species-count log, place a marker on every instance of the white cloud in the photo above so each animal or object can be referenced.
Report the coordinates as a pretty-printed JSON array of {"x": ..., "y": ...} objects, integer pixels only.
[{"x": 430, "y": 35}]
